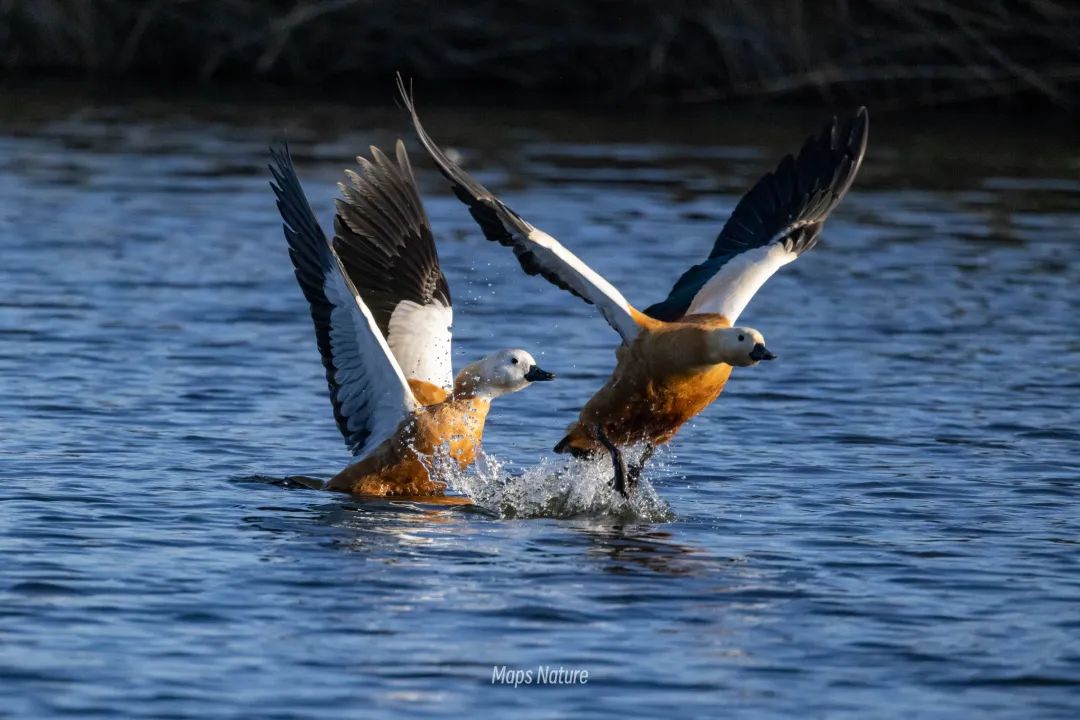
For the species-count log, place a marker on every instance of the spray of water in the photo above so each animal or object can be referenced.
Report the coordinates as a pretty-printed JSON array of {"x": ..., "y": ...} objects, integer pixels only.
[{"x": 555, "y": 489}]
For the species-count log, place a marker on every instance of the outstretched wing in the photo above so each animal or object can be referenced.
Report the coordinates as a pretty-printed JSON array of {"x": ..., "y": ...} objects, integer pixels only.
[
  {"x": 371, "y": 397},
  {"x": 384, "y": 240},
  {"x": 538, "y": 252},
  {"x": 778, "y": 220}
]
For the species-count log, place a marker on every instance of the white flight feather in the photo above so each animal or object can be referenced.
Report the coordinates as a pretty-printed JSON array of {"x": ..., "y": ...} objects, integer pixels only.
[
  {"x": 730, "y": 290},
  {"x": 366, "y": 372},
  {"x": 586, "y": 281},
  {"x": 420, "y": 338}
]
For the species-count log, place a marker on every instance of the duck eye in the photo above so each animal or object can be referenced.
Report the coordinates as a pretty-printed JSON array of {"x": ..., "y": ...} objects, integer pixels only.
[
  {"x": 741, "y": 338},
  {"x": 513, "y": 360}
]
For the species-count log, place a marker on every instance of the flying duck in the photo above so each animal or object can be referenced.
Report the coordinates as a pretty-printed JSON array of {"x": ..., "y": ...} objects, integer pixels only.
[
  {"x": 676, "y": 356},
  {"x": 382, "y": 313}
]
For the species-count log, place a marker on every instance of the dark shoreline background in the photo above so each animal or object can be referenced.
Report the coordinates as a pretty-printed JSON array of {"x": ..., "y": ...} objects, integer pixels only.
[{"x": 894, "y": 54}]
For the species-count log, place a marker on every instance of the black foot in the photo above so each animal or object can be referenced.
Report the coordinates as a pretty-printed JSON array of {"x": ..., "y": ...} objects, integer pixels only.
[
  {"x": 619, "y": 481},
  {"x": 636, "y": 469}
]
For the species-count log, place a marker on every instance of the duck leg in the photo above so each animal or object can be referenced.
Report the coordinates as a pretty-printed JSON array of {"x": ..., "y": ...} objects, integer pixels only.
[
  {"x": 617, "y": 461},
  {"x": 636, "y": 469}
]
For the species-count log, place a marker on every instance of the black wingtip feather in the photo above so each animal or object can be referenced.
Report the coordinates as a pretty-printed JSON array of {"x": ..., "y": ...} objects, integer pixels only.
[
  {"x": 384, "y": 239},
  {"x": 789, "y": 205},
  {"x": 496, "y": 220},
  {"x": 311, "y": 257},
  {"x": 800, "y": 192}
]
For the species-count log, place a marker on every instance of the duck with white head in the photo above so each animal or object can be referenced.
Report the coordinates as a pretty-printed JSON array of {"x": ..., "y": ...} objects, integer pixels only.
[
  {"x": 382, "y": 313},
  {"x": 676, "y": 356}
]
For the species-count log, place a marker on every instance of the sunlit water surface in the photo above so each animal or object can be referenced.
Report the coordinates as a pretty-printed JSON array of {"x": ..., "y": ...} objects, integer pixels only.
[{"x": 881, "y": 523}]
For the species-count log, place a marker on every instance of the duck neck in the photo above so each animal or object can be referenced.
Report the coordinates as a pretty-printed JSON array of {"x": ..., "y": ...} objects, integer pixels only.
[
  {"x": 680, "y": 347},
  {"x": 708, "y": 341},
  {"x": 468, "y": 385}
]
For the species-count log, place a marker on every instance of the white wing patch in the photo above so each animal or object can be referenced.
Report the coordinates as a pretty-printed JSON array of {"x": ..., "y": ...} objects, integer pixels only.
[
  {"x": 420, "y": 338},
  {"x": 569, "y": 268},
  {"x": 374, "y": 395},
  {"x": 731, "y": 288}
]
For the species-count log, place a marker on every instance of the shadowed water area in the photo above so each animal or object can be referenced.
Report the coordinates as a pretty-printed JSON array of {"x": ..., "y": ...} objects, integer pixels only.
[{"x": 881, "y": 523}]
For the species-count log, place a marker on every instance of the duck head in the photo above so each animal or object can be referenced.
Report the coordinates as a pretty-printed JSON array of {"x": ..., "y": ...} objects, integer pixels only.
[
  {"x": 739, "y": 346},
  {"x": 499, "y": 373}
]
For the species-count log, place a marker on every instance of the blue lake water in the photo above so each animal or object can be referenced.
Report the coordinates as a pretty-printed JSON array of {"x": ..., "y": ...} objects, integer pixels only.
[{"x": 882, "y": 523}]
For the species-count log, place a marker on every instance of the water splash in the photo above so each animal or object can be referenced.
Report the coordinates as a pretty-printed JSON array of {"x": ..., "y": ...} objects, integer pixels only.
[
  {"x": 556, "y": 489},
  {"x": 551, "y": 489}
]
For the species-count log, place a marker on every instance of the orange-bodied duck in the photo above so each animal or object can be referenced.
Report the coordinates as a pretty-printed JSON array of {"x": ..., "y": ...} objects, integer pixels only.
[
  {"x": 676, "y": 356},
  {"x": 382, "y": 313}
]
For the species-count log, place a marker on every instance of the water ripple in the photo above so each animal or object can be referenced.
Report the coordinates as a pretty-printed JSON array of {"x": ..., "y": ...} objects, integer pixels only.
[{"x": 881, "y": 523}]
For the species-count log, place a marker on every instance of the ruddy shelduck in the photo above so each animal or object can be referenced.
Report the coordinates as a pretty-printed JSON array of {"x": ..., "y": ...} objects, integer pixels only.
[
  {"x": 676, "y": 356},
  {"x": 382, "y": 313}
]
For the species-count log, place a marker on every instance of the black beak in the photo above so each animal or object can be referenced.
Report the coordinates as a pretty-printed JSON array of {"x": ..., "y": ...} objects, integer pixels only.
[
  {"x": 535, "y": 374},
  {"x": 760, "y": 352}
]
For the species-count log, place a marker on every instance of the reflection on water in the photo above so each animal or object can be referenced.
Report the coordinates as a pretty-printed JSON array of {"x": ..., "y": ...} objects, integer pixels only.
[
  {"x": 881, "y": 523},
  {"x": 627, "y": 549}
]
